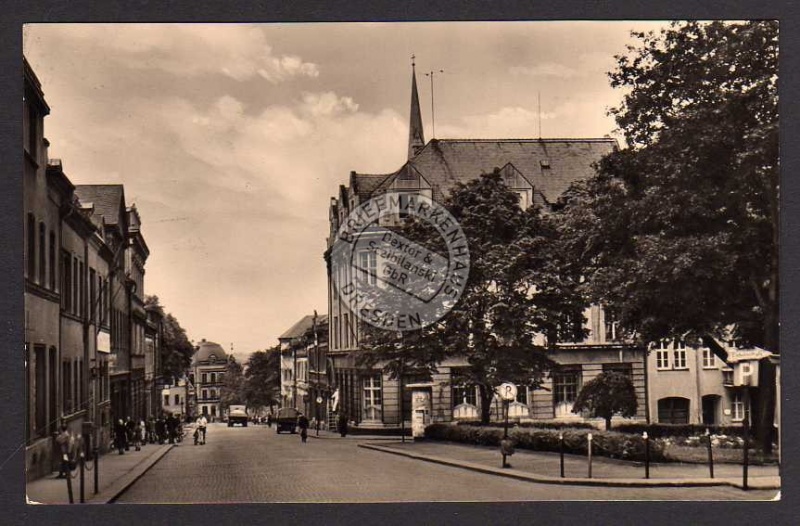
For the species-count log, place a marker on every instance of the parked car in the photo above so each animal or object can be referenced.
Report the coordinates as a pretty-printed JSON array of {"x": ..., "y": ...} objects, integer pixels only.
[{"x": 286, "y": 420}]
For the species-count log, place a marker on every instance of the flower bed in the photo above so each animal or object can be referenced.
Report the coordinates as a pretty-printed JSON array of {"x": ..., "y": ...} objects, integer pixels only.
[{"x": 605, "y": 443}]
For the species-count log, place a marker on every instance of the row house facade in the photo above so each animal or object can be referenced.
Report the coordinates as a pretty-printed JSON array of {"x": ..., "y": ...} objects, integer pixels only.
[
  {"x": 77, "y": 294},
  {"x": 304, "y": 365},
  {"x": 539, "y": 171}
]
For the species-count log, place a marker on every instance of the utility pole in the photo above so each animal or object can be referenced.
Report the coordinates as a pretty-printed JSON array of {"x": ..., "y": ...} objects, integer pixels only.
[{"x": 433, "y": 115}]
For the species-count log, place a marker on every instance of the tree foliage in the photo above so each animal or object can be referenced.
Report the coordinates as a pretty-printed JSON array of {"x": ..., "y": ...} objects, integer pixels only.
[
  {"x": 176, "y": 349},
  {"x": 678, "y": 233},
  {"x": 232, "y": 391},
  {"x": 515, "y": 291},
  {"x": 608, "y": 393},
  {"x": 262, "y": 382}
]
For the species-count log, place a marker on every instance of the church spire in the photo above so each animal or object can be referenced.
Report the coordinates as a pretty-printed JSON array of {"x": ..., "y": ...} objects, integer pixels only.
[{"x": 416, "y": 135}]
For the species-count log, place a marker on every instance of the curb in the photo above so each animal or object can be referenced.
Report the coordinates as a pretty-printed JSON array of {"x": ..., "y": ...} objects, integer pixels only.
[
  {"x": 118, "y": 487},
  {"x": 542, "y": 479}
]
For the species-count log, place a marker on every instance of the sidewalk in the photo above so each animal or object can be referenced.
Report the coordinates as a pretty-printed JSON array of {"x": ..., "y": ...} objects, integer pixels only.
[
  {"x": 544, "y": 467},
  {"x": 117, "y": 473},
  {"x": 334, "y": 435}
]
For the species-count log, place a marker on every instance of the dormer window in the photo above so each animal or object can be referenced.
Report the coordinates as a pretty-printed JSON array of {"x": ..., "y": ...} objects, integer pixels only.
[
  {"x": 544, "y": 163},
  {"x": 212, "y": 358}
]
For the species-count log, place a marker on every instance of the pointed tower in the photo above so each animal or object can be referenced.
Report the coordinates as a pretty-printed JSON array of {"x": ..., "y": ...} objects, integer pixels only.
[{"x": 416, "y": 135}]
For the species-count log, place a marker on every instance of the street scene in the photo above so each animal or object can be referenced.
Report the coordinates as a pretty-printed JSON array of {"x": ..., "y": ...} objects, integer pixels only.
[{"x": 539, "y": 259}]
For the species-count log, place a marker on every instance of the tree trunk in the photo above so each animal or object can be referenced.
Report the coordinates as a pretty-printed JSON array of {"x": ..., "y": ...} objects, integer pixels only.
[{"x": 486, "y": 403}]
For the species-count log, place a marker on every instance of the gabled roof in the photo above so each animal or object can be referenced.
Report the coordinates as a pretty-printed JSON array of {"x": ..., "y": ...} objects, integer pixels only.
[
  {"x": 305, "y": 324},
  {"x": 108, "y": 200},
  {"x": 365, "y": 184},
  {"x": 551, "y": 165}
]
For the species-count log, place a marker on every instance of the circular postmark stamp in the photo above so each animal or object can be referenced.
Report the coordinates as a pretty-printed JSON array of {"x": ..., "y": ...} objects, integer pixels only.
[{"x": 393, "y": 282}]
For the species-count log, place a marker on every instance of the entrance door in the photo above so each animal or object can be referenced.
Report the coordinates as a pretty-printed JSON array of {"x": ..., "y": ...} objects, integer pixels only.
[{"x": 710, "y": 405}]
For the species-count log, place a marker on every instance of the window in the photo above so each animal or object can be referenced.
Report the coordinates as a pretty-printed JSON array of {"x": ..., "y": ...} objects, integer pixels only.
[
  {"x": 709, "y": 360},
  {"x": 177, "y": 399},
  {"x": 680, "y": 358},
  {"x": 465, "y": 395},
  {"x": 40, "y": 387},
  {"x": 31, "y": 247},
  {"x": 213, "y": 378},
  {"x": 166, "y": 400},
  {"x": 737, "y": 407},
  {"x": 673, "y": 411},
  {"x": 213, "y": 393},
  {"x": 346, "y": 339},
  {"x": 611, "y": 325},
  {"x": 66, "y": 386},
  {"x": 42, "y": 256},
  {"x": 213, "y": 410},
  {"x": 204, "y": 378},
  {"x": 662, "y": 358},
  {"x": 566, "y": 383},
  {"x": 406, "y": 200},
  {"x": 522, "y": 394},
  {"x": 92, "y": 293},
  {"x": 220, "y": 376},
  {"x": 52, "y": 259},
  {"x": 372, "y": 398},
  {"x": 368, "y": 270}
]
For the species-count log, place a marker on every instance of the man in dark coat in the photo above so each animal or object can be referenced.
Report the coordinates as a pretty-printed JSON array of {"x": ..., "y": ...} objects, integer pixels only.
[
  {"x": 161, "y": 429},
  {"x": 302, "y": 423},
  {"x": 120, "y": 436},
  {"x": 342, "y": 423}
]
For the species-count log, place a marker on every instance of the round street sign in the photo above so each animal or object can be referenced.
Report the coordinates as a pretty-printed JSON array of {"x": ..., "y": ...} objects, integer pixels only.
[
  {"x": 507, "y": 391},
  {"x": 319, "y": 399}
]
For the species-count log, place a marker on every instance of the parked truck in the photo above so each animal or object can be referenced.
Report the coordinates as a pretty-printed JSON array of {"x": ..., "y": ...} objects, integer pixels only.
[{"x": 237, "y": 414}]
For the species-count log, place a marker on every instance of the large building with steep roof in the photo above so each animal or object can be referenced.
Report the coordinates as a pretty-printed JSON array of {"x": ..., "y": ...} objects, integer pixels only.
[{"x": 539, "y": 171}]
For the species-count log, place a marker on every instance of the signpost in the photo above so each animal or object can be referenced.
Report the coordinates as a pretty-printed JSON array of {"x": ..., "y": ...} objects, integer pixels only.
[{"x": 507, "y": 392}]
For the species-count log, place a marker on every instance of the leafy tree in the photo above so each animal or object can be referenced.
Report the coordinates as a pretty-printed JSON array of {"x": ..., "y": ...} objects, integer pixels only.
[
  {"x": 514, "y": 292},
  {"x": 262, "y": 381},
  {"x": 177, "y": 350},
  {"x": 678, "y": 233},
  {"x": 232, "y": 391},
  {"x": 607, "y": 394}
]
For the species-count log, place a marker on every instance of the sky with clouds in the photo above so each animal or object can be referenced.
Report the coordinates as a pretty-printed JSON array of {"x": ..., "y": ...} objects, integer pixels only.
[{"x": 231, "y": 139}]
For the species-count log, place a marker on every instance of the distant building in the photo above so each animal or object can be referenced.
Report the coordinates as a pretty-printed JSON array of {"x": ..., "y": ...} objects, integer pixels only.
[
  {"x": 174, "y": 398},
  {"x": 208, "y": 370},
  {"x": 304, "y": 367}
]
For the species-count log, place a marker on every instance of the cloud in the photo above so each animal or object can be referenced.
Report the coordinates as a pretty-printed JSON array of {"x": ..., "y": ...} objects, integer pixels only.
[{"x": 238, "y": 51}]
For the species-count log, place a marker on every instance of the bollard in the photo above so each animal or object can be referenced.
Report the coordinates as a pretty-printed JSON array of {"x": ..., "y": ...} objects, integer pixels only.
[
  {"x": 561, "y": 452},
  {"x": 68, "y": 472},
  {"x": 96, "y": 454},
  {"x": 746, "y": 453},
  {"x": 710, "y": 455},
  {"x": 590, "y": 455},
  {"x": 646, "y": 455},
  {"x": 81, "y": 466}
]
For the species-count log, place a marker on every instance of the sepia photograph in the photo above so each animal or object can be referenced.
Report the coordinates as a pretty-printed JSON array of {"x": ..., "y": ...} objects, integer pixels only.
[{"x": 401, "y": 262}]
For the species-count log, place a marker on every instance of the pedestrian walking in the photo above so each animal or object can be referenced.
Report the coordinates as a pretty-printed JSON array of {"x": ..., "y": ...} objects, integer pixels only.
[
  {"x": 65, "y": 442},
  {"x": 142, "y": 432},
  {"x": 201, "y": 425},
  {"x": 120, "y": 436},
  {"x": 342, "y": 424},
  {"x": 136, "y": 435},
  {"x": 302, "y": 423},
  {"x": 269, "y": 420},
  {"x": 161, "y": 430},
  {"x": 172, "y": 427},
  {"x": 129, "y": 427}
]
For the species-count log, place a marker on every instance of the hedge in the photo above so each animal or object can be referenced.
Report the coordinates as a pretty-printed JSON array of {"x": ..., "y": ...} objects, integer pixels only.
[
  {"x": 678, "y": 430},
  {"x": 537, "y": 425},
  {"x": 604, "y": 443}
]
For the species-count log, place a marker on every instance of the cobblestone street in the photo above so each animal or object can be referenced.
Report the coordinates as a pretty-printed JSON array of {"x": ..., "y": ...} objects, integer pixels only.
[{"x": 255, "y": 464}]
